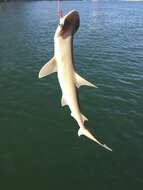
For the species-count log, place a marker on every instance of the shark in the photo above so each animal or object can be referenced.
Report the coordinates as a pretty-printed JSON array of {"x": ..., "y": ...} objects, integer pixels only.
[{"x": 69, "y": 79}]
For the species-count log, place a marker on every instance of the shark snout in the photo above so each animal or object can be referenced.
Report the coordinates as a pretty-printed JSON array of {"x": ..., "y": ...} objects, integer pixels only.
[{"x": 69, "y": 23}]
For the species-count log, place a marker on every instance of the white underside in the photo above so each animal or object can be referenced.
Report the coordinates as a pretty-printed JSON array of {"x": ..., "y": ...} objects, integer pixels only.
[{"x": 68, "y": 80}]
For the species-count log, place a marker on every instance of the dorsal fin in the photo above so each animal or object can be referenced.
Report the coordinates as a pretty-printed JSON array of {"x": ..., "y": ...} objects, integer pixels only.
[
  {"x": 82, "y": 116},
  {"x": 79, "y": 81}
]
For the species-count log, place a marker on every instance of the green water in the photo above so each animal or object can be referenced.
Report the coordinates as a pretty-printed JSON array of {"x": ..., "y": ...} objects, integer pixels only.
[{"x": 39, "y": 146}]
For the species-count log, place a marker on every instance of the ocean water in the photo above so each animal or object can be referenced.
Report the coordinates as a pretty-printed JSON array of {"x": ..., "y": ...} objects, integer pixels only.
[{"x": 39, "y": 146}]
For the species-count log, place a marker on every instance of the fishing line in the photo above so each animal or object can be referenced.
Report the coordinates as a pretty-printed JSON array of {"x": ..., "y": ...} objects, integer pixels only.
[{"x": 60, "y": 11}]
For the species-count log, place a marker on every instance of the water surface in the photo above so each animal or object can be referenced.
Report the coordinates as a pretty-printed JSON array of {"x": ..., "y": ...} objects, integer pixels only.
[{"x": 39, "y": 147}]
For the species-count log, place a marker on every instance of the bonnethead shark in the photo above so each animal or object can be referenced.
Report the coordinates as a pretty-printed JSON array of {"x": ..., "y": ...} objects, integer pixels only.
[{"x": 62, "y": 63}]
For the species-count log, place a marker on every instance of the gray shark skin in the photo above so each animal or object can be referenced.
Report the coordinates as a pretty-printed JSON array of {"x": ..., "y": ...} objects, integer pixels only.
[{"x": 62, "y": 63}]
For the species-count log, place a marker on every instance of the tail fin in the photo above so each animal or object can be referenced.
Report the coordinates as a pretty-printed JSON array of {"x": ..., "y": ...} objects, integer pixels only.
[{"x": 85, "y": 132}]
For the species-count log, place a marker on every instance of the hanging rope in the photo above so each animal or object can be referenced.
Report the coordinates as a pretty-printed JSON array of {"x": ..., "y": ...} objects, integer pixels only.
[{"x": 60, "y": 12}]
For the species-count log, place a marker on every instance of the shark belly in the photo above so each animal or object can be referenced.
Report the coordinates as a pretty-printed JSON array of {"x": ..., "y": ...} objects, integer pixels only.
[
  {"x": 65, "y": 72},
  {"x": 66, "y": 81}
]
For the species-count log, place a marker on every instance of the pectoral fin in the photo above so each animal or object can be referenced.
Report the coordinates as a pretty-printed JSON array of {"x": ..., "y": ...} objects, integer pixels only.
[
  {"x": 48, "y": 68},
  {"x": 79, "y": 81}
]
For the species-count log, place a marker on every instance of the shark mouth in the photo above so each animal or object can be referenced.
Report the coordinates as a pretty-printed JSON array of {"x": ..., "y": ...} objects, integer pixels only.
[{"x": 70, "y": 22}]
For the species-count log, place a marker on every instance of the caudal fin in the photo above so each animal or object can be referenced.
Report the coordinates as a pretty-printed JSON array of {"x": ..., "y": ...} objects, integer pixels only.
[{"x": 85, "y": 132}]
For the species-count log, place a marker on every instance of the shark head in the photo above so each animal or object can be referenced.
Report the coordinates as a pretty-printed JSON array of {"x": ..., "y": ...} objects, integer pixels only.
[{"x": 68, "y": 24}]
